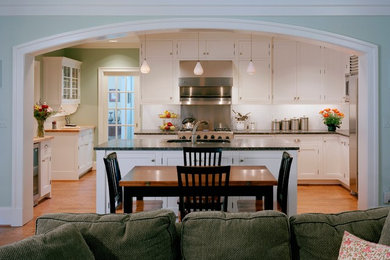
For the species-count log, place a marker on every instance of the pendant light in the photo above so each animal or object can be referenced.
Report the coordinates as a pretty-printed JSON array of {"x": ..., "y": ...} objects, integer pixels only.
[
  {"x": 145, "y": 66},
  {"x": 198, "y": 70},
  {"x": 251, "y": 67}
]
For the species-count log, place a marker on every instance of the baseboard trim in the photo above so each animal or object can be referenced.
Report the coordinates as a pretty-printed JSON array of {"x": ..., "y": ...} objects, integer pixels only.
[{"x": 319, "y": 182}]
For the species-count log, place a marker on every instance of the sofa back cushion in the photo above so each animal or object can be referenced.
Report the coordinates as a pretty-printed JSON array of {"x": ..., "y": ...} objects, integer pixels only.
[
  {"x": 64, "y": 242},
  {"x": 220, "y": 235},
  {"x": 144, "y": 235},
  {"x": 319, "y": 236}
]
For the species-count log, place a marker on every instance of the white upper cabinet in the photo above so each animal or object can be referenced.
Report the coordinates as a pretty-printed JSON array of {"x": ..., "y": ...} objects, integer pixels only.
[
  {"x": 309, "y": 73},
  {"x": 254, "y": 88},
  {"x": 221, "y": 49},
  {"x": 261, "y": 49},
  {"x": 61, "y": 81},
  {"x": 284, "y": 71},
  {"x": 157, "y": 86},
  {"x": 335, "y": 66},
  {"x": 188, "y": 49}
]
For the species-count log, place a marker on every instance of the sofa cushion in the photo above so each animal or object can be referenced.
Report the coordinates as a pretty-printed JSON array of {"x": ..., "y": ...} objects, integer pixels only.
[
  {"x": 64, "y": 242},
  {"x": 385, "y": 235},
  {"x": 319, "y": 236},
  {"x": 219, "y": 235},
  {"x": 353, "y": 247},
  {"x": 144, "y": 235}
]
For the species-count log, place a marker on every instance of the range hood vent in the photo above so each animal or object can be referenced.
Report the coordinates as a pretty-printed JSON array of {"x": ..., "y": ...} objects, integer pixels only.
[{"x": 206, "y": 90}]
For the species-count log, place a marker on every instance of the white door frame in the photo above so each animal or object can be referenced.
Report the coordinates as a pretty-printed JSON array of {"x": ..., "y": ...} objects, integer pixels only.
[
  {"x": 102, "y": 98},
  {"x": 22, "y": 133}
]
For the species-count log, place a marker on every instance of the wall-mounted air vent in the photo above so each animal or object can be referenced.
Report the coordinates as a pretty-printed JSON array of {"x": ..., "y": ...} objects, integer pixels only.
[{"x": 353, "y": 65}]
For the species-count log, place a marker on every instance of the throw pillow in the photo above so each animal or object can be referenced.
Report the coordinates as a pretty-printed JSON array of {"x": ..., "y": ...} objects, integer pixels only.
[
  {"x": 64, "y": 242},
  {"x": 385, "y": 235},
  {"x": 353, "y": 247}
]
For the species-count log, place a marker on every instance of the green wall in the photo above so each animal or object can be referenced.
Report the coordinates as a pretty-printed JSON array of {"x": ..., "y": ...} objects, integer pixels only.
[{"x": 15, "y": 30}]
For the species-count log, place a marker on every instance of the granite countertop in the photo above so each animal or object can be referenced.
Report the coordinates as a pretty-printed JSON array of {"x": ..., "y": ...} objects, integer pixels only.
[
  {"x": 235, "y": 144},
  {"x": 69, "y": 129},
  {"x": 41, "y": 139},
  {"x": 251, "y": 132}
]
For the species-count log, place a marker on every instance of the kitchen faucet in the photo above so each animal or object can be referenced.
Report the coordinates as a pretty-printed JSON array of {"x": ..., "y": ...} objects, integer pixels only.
[{"x": 193, "y": 138}]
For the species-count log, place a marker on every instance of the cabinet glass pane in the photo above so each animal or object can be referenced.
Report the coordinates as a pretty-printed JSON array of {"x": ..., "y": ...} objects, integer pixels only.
[
  {"x": 66, "y": 71},
  {"x": 75, "y": 73},
  {"x": 121, "y": 83},
  {"x": 130, "y": 132},
  {"x": 130, "y": 100},
  {"x": 121, "y": 101},
  {"x": 130, "y": 83},
  {"x": 111, "y": 132},
  {"x": 74, "y": 93}
]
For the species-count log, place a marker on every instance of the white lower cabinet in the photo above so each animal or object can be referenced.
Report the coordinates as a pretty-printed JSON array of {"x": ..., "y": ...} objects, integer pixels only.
[
  {"x": 331, "y": 154},
  {"x": 72, "y": 153},
  {"x": 344, "y": 160},
  {"x": 45, "y": 169}
]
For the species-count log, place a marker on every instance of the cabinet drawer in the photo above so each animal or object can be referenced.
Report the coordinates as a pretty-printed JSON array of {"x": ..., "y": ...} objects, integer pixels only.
[{"x": 45, "y": 149}]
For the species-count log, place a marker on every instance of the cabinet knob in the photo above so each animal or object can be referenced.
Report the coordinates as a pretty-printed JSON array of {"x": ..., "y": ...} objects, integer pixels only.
[
  {"x": 240, "y": 53},
  {"x": 46, "y": 146},
  {"x": 170, "y": 53},
  {"x": 153, "y": 160},
  {"x": 170, "y": 98},
  {"x": 207, "y": 53},
  {"x": 204, "y": 53},
  {"x": 241, "y": 160}
]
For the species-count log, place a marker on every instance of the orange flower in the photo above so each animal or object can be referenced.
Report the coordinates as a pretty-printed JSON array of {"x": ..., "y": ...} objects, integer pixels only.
[
  {"x": 327, "y": 109},
  {"x": 326, "y": 115}
]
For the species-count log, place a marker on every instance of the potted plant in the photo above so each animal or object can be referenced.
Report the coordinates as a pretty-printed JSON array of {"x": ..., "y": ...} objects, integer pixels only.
[{"x": 332, "y": 118}]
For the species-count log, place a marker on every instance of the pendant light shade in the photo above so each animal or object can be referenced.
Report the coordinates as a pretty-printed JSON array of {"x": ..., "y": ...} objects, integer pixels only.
[
  {"x": 198, "y": 70},
  {"x": 145, "y": 67},
  {"x": 251, "y": 68}
]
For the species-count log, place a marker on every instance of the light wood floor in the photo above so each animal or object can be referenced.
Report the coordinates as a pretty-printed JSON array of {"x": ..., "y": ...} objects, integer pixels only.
[{"x": 79, "y": 196}]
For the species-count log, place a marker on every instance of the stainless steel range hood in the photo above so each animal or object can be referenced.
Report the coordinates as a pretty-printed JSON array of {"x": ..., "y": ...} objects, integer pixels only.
[{"x": 206, "y": 90}]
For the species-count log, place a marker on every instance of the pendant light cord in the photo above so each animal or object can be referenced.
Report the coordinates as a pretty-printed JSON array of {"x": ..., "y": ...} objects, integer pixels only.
[
  {"x": 145, "y": 45},
  {"x": 198, "y": 46},
  {"x": 251, "y": 46}
]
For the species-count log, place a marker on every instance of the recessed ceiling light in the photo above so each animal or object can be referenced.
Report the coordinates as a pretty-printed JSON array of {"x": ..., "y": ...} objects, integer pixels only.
[{"x": 113, "y": 41}]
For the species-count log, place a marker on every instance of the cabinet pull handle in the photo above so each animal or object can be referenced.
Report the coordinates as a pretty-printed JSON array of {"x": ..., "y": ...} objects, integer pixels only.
[
  {"x": 153, "y": 160},
  {"x": 241, "y": 160}
]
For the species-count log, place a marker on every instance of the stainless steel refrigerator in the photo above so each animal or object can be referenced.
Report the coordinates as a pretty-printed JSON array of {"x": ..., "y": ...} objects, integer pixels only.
[{"x": 352, "y": 92}]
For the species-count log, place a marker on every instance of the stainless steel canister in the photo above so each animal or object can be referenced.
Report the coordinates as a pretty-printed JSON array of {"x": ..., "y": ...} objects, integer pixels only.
[
  {"x": 285, "y": 125},
  {"x": 275, "y": 125},
  {"x": 304, "y": 123},
  {"x": 294, "y": 124}
]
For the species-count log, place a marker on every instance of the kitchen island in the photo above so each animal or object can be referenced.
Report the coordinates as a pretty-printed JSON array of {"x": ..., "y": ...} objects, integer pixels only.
[{"x": 150, "y": 151}]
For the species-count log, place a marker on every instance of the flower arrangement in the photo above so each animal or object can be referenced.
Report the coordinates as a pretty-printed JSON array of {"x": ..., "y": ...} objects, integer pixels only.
[
  {"x": 332, "y": 117},
  {"x": 41, "y": 113}
]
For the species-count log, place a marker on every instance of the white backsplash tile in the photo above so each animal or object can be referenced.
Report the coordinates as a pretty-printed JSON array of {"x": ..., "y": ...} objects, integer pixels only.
[{"x": 262, "y": 115}]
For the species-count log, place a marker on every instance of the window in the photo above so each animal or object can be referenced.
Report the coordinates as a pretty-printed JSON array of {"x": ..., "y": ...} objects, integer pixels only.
[{"x": 121, "y": 107}]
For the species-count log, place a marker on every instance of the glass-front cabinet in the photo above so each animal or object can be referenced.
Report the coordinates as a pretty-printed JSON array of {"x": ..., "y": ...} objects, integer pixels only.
[{"x": 61, "y": 82}]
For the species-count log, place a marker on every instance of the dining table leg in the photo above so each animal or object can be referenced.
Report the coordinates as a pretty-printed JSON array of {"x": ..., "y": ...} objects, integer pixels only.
[
  {"x": 269, "y": 197},
  {"x": 127, "y": 201}
]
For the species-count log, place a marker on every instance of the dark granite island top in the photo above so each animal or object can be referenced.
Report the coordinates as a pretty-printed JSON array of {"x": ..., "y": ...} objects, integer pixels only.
[{"x": 235, "y": 144}]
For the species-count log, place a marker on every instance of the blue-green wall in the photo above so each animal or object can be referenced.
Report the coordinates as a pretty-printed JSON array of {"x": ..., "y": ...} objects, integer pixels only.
[{"x": 15, "y": 30}]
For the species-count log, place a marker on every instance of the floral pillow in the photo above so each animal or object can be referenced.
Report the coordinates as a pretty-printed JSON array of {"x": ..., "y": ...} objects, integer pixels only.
[{"x": 353, "y": 247}]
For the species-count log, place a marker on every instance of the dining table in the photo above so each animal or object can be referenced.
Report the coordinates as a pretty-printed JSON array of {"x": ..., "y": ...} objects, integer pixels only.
[{"x": 161, "y": 181}]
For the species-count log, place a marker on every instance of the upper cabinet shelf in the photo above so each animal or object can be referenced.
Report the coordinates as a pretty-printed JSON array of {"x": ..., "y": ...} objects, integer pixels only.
[{"x": 61, "y": 83}]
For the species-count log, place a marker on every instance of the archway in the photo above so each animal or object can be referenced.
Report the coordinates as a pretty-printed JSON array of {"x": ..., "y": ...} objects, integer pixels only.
[{"x": 21, "y": 209}]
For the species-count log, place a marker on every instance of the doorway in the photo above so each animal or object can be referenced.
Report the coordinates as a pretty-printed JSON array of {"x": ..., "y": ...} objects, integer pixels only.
[{"x": 22, "y": 93}]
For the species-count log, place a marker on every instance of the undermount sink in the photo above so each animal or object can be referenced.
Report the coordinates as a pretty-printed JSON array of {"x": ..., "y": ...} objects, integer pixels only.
[{"x": 202, "y": 141}]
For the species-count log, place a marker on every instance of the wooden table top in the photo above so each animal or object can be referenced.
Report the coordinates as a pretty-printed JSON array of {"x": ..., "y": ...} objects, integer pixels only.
[{"x": 141, "y": 176}]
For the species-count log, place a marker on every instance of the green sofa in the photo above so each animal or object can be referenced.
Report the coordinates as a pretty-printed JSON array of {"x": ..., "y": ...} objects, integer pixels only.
[{"x": 201, "y": 235}]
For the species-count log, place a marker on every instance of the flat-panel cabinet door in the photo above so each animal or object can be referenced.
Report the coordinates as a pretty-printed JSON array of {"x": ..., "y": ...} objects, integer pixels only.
[
  {"x": 309, "y": 73},
  {"x": 45, "y": 177},
  {"x": 255, "y": 88},
  {"x": 334, "y": 75},
  {"x": 260, "y": 49},
  {"x": 331, "y": 158},
  {"x": 308, "y": 161},
  {"x": 188, "y": 49},
  {"x": 285, "y": 72},
  {"x": 157, "y": 85},
  {"x": 158, "y": 49},
  {"x": 219, "y": 49}
]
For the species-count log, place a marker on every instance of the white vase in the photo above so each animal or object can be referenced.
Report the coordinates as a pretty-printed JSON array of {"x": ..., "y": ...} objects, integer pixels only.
[{"x": 240, "y": 125}]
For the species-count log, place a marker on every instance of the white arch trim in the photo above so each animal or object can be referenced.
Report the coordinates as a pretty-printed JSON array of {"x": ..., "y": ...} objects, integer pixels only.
[{"x": 21, "y": 209}]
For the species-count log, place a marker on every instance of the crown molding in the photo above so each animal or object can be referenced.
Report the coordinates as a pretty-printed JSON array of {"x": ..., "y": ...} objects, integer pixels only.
[{"x": 201, "y": 7}]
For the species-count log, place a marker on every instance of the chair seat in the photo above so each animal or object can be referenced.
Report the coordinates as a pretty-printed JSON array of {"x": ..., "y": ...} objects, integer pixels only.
[
  {"x": 249, "y": 205},
  {"x": 144, "y": 205}
]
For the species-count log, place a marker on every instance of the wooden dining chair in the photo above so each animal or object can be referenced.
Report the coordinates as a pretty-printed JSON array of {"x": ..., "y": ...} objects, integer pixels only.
[
  {"x": 202, "y": 156},
  {"x": 115, "y": 191},
  {"x": 201, "y": 188},
  {"x": 281, "y": 190}
]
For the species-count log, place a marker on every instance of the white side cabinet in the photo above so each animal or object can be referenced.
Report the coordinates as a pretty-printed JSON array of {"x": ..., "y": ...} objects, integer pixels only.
[
  {"x": 72, "y": 152},
  {"x": 45, "y": 169},
  {"x": 61, "y": 81},
  {"x": 344, "y": 160}
]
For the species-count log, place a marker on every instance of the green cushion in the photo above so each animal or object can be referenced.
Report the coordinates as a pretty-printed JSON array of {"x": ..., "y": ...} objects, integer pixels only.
[
  {"x": 144, "y": 235},
  {"x": 319, "y": 236},
  {"x": 385, "y": 235},
  {"x": 219, "y": 235},
  {"x": 64, "y": 242}
]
